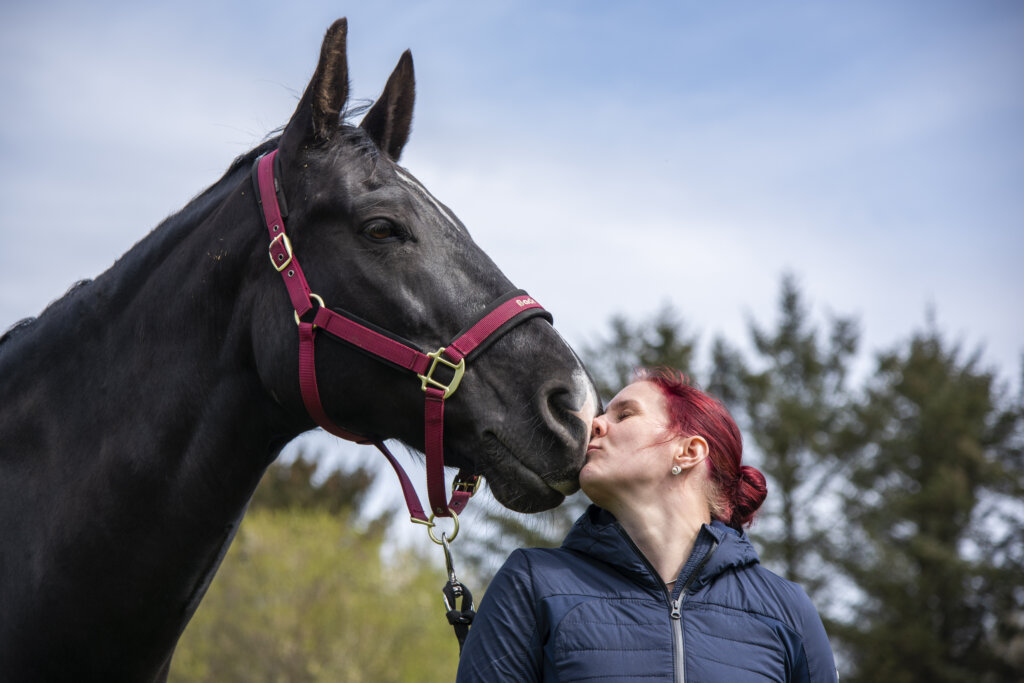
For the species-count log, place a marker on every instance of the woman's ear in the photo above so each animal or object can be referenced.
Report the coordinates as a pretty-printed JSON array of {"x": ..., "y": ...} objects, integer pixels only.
[{"x": 693, "y": 450}]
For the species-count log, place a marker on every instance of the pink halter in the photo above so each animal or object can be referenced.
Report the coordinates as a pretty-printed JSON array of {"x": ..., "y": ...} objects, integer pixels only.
[{"x": 512, "y": 309}]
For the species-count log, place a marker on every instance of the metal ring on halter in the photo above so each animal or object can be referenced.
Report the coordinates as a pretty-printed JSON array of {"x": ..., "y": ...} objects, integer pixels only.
[
  {"x": 311, "y": 296},
  {"x": 431, "y": 525}
]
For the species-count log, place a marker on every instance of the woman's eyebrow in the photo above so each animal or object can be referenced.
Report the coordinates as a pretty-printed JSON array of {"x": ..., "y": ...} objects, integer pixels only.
[{"x": 623, "y": 405}]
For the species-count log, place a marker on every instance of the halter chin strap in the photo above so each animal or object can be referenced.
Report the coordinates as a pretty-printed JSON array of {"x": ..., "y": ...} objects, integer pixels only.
[{"x": 504, "y": 314}]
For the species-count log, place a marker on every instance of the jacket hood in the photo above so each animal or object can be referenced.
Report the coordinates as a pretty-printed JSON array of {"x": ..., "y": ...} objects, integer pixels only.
[{"x": 598, "y": 534}]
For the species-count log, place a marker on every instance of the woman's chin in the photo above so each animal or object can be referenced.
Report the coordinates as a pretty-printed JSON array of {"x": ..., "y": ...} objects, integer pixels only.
[{"x": 591, "y": 484}]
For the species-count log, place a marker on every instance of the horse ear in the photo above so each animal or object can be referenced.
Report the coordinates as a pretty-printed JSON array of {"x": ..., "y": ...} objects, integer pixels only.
[
  {"x": 389, "y": 120},
  {"x": 317, "y": 116}
]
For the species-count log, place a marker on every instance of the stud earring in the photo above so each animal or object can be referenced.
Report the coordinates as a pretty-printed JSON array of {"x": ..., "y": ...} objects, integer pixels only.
[{"x": 676, "y": 469}]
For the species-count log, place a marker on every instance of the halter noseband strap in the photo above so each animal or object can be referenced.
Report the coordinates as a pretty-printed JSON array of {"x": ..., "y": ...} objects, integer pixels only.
[{"x": 509, "y": 311}]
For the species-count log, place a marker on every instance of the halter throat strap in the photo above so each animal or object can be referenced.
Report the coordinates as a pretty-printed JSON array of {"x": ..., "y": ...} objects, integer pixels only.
[{"x": 439, "y": 372}]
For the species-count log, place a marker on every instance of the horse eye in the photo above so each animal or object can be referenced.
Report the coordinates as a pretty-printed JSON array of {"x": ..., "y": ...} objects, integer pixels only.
[{"x": 382, "y": 230}]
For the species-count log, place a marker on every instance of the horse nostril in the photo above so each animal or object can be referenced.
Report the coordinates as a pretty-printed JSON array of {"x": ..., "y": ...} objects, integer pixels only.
[
  {"x": 559, "y": 406},
  {"x": 560, "y": 400}
]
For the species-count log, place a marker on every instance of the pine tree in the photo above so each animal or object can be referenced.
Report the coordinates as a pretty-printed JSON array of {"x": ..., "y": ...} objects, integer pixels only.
[
  {"x": 792, "y": 407},
  {"x": 935, "y": 534}
]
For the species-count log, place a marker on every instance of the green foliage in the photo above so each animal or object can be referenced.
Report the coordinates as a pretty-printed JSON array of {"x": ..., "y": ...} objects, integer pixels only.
[
  {"x": 303, "y": 596},
  {"x": 936, "y": 542}
]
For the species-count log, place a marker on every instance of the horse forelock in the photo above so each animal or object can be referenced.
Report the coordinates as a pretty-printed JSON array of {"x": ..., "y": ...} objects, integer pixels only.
[{"x": 353, "y": 141}]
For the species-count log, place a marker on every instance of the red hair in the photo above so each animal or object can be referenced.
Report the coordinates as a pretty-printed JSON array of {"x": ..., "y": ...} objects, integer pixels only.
[{"x": 735, "y": 490}]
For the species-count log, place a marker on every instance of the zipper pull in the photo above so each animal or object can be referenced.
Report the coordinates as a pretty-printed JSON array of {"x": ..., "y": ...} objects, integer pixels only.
[{"x": 675, "y": 608}]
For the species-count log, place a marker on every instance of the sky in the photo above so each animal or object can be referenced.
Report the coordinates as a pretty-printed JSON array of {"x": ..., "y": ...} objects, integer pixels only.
[{"x": 611, "y": 157}]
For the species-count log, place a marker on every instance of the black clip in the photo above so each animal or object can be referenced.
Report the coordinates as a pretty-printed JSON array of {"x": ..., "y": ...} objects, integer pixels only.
[{"x": 460, "y": 617}]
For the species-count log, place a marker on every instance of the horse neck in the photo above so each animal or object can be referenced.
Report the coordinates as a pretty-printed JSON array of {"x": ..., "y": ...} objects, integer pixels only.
[
  {"x": 161, "y": 342},
  {"x": 138, "y": 400}
]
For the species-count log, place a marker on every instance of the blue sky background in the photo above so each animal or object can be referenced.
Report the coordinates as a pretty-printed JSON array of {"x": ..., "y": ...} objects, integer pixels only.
[{"x": 611, "y": 157}]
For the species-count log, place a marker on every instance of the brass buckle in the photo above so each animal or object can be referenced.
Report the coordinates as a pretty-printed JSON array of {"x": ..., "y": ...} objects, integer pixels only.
[
  {"x": 428, "y": 378},
  {"x": 287, "y": 247},
  {"x": 469, "y": 487}
]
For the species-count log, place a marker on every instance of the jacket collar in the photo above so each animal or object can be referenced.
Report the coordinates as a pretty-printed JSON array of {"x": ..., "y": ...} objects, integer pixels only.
[{"x": 597, "y": 533}]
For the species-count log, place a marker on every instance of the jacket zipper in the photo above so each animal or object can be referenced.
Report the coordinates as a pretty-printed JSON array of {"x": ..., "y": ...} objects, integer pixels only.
[
  {"x": 677, "y": 638},
  {"x": 676, "y": 614},
  {"x": 675, "y": 606}
]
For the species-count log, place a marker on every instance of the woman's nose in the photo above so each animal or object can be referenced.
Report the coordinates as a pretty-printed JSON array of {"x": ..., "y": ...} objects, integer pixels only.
[{"x": 598, "y": 427}]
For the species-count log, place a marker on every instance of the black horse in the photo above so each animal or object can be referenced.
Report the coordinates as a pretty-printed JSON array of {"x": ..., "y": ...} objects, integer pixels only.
[{"x": 138, "y": 412}]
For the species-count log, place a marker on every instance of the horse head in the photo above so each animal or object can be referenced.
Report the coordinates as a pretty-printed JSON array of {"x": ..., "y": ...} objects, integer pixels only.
[{"x": 379, "y": 246}]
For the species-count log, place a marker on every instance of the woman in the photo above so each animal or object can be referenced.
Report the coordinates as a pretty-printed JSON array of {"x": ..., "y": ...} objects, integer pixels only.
[{"x": 656, "y": 581}]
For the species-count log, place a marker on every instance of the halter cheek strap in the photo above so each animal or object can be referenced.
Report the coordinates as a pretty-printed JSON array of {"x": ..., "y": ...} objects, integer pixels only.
[{"x": 439, "y": 372}]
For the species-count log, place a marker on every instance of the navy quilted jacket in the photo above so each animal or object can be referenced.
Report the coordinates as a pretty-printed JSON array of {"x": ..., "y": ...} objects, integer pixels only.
[{"x": 595, "y": 610}]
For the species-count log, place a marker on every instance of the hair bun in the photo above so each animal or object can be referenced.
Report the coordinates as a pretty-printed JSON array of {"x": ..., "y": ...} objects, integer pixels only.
[
  {"x": 752, "y": 475},
  {"x": 751, "y": 489}
]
